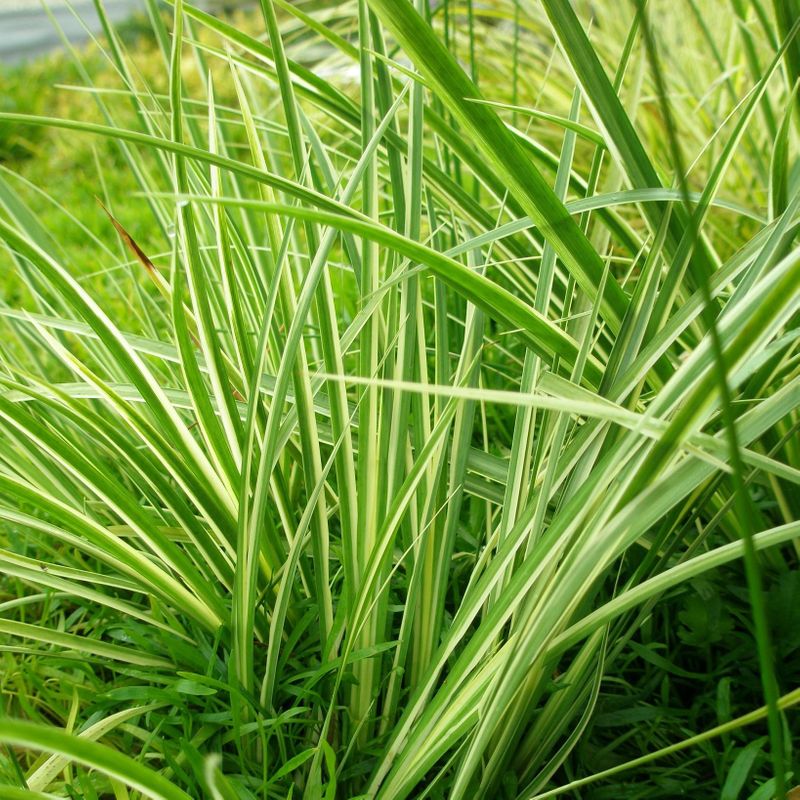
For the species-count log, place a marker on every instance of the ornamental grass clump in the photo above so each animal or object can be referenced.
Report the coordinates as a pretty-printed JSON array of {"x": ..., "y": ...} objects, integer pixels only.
[{"x": 447, "y": 443}]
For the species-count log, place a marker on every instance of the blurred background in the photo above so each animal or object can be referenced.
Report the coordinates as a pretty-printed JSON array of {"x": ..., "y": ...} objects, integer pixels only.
[
  {"x": 29, "y": 29},
  {"x": 26, "y": 30}
]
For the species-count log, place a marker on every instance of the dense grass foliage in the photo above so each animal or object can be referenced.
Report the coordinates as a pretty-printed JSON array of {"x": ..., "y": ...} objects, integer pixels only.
[{"x": 401, "y": 400}]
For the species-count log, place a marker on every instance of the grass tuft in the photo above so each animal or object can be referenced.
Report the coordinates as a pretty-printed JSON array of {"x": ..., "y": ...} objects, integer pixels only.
[{"x": 401, "y": 400}]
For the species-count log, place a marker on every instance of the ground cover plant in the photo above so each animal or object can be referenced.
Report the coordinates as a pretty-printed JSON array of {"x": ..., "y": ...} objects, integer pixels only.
[{"x": 417, "y": 413}]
